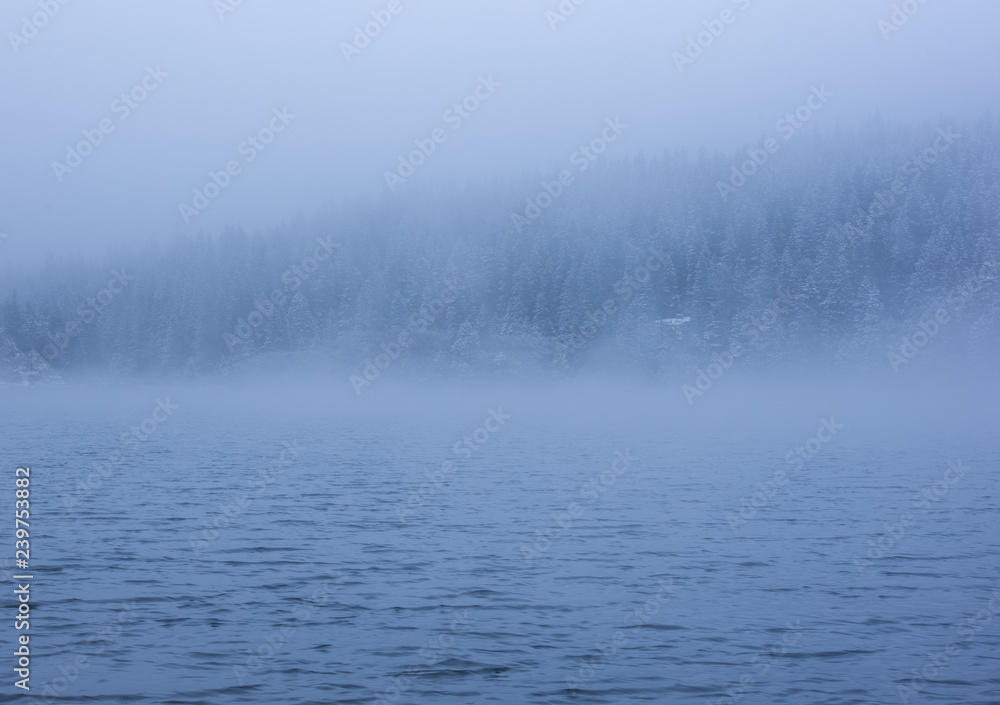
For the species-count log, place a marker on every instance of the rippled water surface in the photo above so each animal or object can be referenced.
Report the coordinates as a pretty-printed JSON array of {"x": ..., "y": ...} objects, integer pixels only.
[{"x": 280, "y": 547}]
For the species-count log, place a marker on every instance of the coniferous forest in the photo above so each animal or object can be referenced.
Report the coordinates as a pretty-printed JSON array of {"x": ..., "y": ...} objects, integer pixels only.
[
  {"x": 855, "y": 248},
  {"x": 437, "y": 353}
]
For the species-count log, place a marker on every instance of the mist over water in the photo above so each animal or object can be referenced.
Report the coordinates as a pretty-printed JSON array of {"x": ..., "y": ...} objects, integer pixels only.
[
  {"x": 515, "y": 542},
  {"x": 567, "y": 352}
]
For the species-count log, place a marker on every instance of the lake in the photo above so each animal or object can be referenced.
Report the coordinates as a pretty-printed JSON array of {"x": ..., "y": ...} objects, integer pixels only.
[{"x": 584, "y": 542}]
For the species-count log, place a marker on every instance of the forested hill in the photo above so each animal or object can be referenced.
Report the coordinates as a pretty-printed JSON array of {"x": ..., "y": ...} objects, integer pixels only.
[{"x": 846, "y": 247}]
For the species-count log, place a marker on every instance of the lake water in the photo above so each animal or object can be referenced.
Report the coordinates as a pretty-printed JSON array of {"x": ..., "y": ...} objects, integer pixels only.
[{"x": 585, "y": 544}]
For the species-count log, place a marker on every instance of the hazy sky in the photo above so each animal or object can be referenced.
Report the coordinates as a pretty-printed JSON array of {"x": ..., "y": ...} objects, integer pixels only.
[{"x": 181, "y": 86}]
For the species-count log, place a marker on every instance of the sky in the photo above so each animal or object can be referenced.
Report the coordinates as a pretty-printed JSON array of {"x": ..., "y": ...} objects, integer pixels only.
[{"x": 124, "y": 121}]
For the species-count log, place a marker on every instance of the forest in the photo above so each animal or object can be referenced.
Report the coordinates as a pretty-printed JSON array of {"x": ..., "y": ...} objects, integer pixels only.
[{"x": 849, "y": 248}]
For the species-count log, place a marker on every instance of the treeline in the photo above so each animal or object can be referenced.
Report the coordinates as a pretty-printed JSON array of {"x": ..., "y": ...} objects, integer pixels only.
[{"x": 841, "y": 248}]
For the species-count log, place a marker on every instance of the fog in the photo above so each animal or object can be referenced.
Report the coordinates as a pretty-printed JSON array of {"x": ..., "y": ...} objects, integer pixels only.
[
  {"x": 500, "y": 351},
  {"x": 215, "y": 73},
  {"x": 281, "y": 540}
]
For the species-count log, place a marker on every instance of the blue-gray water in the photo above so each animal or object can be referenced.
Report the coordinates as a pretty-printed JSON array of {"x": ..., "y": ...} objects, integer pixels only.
[{"x": 309, "y": 587}]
